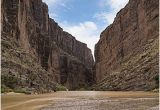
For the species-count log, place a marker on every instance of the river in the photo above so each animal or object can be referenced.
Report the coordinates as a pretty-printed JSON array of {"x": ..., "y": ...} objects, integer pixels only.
[{"x": 82, "y": 100}]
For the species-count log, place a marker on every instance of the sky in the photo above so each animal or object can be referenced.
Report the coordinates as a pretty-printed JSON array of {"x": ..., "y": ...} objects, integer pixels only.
[{"x": 84, "y": 19}]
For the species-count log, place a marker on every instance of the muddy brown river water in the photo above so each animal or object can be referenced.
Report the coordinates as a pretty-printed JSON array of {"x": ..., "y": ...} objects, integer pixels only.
[{"x": 82, "y": 100}]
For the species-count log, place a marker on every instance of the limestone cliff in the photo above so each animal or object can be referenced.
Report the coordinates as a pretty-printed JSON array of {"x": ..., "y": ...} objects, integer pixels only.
[
  {"x": 37, "y": 51},
  {"x": 127, "y": 52}
]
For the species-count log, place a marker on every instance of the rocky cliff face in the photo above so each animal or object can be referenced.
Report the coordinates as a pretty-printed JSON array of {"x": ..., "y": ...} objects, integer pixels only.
[
  {"x": 127, "y": 52},
  {"x": 33, "y": 42}
]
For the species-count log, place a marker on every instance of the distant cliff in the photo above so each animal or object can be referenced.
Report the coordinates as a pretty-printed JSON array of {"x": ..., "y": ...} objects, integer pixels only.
[
  {"x": 127, "y": 52},
  {"x": 37, "y": 52}
]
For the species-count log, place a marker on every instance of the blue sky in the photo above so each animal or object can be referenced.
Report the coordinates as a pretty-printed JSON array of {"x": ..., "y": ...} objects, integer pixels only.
[{"x": 84, "y": 19}]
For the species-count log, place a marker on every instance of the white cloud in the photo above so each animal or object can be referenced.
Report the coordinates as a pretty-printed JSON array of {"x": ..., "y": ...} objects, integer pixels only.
[
  {"x": 106, "y": 17},
  {"x": 56, "y": 3},
  {"x": 50, "y": 1},
  {"x": 86, "y": 32},
  {"x": 117, "y": 4},
  {"x": 114, "y": 6},
  {"x": 53, "y": 15}
]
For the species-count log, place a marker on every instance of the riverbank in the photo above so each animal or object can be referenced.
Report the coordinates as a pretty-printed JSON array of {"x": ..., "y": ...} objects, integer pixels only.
[{"x": 95, "y": 100}]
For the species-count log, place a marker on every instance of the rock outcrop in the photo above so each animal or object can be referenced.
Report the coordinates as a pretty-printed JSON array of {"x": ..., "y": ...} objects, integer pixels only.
[
  {"x": 127, "y": 52},
  {"x": 33, "y": 44}
]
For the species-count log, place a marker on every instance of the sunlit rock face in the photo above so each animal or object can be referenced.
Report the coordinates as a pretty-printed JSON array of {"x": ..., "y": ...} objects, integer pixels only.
[
  {"x": 127, "y": 52},
  {"x": 26, "y": 27}
]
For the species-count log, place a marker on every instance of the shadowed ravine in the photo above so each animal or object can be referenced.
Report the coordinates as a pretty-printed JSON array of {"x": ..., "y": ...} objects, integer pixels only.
[{"x": 82, "y": 100}]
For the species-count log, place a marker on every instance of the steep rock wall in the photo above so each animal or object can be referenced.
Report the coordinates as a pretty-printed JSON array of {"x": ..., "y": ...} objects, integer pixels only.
[
  {"x": 27, "y": 23},
  {"x": 127, "y": 52}
]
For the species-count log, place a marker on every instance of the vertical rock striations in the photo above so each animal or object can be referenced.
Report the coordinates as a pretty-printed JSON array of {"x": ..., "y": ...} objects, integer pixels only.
[
  {"x": 38, "y": 47},
  {"x": 127, "y": 52}
]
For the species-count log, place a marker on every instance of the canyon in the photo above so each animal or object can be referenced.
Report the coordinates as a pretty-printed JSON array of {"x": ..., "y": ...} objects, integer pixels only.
[
  {"x": 38, "y": 55},
  {"x": 36, "y": 52},
  {"x": 127, "y": 53},
  {"x": 39, "y": 58}
]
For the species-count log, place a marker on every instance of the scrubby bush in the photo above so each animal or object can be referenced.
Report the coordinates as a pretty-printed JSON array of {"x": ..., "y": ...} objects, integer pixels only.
[
  {"x": 22, "y": 90},
  {"x": 85, "y": 88},
  {"x": 10, "y": 84},
  {"x": 9, "y": 81},
  {"x": 5, "y": 89},
  {"x": 60, "y": 88}
]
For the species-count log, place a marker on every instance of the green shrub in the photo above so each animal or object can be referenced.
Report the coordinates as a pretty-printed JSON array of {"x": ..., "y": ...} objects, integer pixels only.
[
  {"x": 82, "y": 89},
  {"x": 19, "y": 90},
  {"x": 22, "y": 90},
  {"x": 60, "y": 88},
  {"x": 9, "y": 81},
  {"x": 5, "y": 89},
  {"x": 85, "y": 88},
  {"x": 10, "y": 84}
]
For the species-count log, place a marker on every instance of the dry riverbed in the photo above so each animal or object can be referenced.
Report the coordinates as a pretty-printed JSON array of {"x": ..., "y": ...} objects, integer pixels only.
[{"x": 82, "y": 100}]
